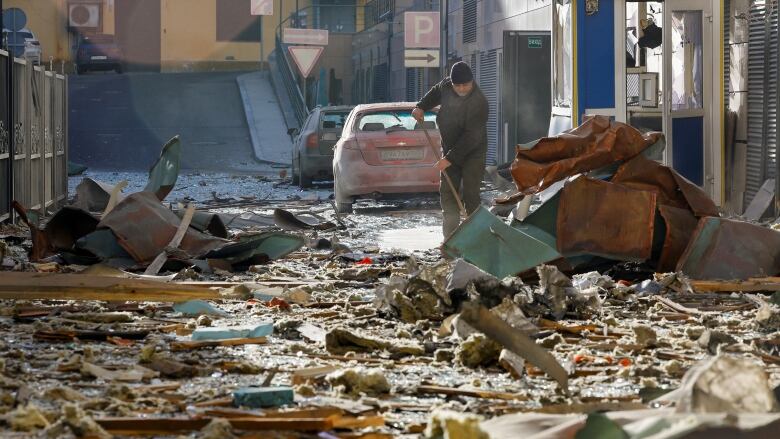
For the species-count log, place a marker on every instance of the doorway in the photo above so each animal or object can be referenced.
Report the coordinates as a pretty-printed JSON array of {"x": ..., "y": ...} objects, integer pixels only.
[
  {"x": 688, "y": 88},
  {"x": 669, "y": 82},
  {"x": 644, "y": 65},
  {"x": 526, "y": 88}
]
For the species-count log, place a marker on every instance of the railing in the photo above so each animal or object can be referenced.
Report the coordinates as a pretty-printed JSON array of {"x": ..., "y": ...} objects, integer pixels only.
[
  {"x": 290, "y": 82},
  {"x": 334, "y": 18},
  {"x": 33, "y": 150}
]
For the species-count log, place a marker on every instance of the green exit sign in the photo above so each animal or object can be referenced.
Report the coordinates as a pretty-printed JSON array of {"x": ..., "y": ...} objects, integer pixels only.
[{"x": 534, "y": 42}]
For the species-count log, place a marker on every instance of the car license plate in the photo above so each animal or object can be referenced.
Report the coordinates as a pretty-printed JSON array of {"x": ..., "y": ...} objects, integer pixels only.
[
  {"x": 402, "y": 154},
  {"x": 99, "y": 57}
]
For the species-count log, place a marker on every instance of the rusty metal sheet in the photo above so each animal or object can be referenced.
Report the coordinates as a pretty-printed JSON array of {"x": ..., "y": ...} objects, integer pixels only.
[
  {"x": 144, "y": 227},
  {"x": 206, "y": 222},
  {"x": 287, "y": 220},
  {"x": 597, "y": 143},
  {"x": 93, "y": 195},
  {"x": 605, "y": 219},
  {"x": 671, "y": 188},
  {"x": 728, "y": 250},
  {"x": 680, "y": 225},
  {"x": 61, "y": 232}
]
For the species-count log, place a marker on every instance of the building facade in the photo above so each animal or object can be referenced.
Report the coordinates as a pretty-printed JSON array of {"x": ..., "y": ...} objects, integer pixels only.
[{"x": 163, "y": 35}]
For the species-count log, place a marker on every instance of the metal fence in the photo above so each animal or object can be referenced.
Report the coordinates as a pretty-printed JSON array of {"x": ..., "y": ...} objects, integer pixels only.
[{"x": 33, "y": 139}]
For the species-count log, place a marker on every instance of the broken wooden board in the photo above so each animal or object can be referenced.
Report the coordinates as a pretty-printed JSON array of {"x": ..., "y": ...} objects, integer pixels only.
[
  {"x": 310, "y": 374},
  {"x": 55, "y": 286},
  {"x": 474, "y": 393},
  {"x": 484, "y": 321},
  {"x": 190, "y": 345},
  {"x": 170, "y": 426},
  {"x": 730, "y": 286}
]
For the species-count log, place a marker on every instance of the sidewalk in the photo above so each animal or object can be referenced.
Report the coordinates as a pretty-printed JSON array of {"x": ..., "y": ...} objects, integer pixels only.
[{"x": 264, "y": 118}]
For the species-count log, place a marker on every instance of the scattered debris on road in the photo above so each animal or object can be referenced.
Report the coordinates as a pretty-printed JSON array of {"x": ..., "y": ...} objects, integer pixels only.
[{"x": 623, "y": 303}]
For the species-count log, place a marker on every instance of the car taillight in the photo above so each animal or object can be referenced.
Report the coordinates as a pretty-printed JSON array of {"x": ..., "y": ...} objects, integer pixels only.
[
  {"x": 312, "y": 141},
  {"x": 349, "y": 144}
]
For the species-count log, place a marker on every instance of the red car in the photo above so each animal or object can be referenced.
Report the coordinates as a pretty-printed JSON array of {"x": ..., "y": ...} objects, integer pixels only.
[{"x": 383, "y": 151}]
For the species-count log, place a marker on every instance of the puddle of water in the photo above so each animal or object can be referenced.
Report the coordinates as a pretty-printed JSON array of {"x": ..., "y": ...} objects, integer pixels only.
[{"x": 415, "y": 239}]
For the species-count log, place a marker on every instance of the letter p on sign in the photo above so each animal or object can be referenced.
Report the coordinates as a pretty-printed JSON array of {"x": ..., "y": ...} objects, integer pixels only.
[{"x": 421, "y": 30}]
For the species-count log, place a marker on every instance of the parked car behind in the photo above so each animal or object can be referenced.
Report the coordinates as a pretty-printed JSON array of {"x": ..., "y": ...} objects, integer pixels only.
[
  {"x": 24, "y": 45},
  {"x": 312, "y": 157},
  {"x": 98, "y": 52},
  {"x": 383, "y": 151}
]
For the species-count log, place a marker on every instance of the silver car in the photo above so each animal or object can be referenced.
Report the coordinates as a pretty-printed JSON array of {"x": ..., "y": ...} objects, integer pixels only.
[{"x": 312, "y": 155}]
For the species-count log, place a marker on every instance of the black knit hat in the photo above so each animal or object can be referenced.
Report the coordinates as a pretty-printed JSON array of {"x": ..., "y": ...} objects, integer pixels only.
[{"x": 461, "y": 73}]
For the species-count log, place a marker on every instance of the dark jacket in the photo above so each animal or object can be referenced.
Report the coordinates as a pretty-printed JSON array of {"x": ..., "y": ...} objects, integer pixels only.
[{"x": 462, "y": 121}]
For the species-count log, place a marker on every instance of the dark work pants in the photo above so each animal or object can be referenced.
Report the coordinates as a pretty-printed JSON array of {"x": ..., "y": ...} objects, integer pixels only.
[{"x": 467, "y": 178}]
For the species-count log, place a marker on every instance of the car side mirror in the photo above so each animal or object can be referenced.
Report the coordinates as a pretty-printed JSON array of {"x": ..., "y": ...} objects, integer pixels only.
[{"x": 292, "y": 131}]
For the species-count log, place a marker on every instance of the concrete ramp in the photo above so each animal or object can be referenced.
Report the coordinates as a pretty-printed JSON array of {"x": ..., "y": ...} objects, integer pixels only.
[
  {"x": 120, "y": 122},
  {"x": 267, "y": 126}
]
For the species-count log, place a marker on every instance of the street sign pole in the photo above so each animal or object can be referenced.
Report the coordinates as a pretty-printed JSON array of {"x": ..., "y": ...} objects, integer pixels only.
[{"x": 261, "y": 43}]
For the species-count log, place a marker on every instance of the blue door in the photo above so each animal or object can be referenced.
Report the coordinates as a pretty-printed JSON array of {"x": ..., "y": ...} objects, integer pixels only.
[{"x": 687, "y": 87}]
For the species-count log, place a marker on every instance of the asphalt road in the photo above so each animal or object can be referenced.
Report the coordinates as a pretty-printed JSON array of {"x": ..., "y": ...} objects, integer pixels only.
[{"x": 120, "y": 122}]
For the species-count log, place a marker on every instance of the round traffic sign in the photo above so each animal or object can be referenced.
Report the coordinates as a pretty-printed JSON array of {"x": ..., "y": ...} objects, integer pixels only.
[{"x": 14, "y": 19}]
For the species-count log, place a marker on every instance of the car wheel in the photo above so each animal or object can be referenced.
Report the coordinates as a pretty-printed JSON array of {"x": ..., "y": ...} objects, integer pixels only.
[
  {"x": 343, "y": 202},
  {"x": 80, "y": 70},
  {"x": 294, "y": 170},
  {"x": 304, "y": 179}
]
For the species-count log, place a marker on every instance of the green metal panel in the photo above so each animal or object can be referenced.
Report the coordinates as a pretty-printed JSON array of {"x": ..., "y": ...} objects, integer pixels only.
[{"x": 497, "y": 248}]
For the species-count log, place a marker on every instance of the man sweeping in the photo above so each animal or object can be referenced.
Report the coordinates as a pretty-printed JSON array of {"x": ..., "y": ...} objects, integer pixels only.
[{"x": 462, "y": 123}]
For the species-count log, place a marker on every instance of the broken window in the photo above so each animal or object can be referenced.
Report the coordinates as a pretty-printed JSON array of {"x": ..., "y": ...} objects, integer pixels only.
[{"x": 687, "y": 67}]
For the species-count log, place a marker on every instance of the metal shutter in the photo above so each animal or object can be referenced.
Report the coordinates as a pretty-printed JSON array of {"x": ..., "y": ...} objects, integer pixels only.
[
  {"x": 415, "y": 84},
  {"x": 469, "y": 21},
  {"x": 379, "y": 88},
  {"x": 762, "y": 98},
  {"x": 488, "y": 82}
]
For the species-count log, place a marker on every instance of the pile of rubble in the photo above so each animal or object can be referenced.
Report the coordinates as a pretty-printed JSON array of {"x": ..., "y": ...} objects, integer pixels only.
[{"x": 570, "y": 321}]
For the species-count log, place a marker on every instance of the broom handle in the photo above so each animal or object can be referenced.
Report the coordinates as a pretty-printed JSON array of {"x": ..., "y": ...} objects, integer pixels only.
[{"x": 444, "y": 172}]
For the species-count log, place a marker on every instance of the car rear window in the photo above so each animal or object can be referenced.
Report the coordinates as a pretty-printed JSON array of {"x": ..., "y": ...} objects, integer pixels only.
[
  {"x": 327, "y": 120},
  {"x": 397, "y": 120}
]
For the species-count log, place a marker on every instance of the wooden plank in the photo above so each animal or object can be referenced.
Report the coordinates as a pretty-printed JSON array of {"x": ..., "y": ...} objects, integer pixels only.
[
  {"x": 113, "y": 199},
  {"x": 674, "y": 306},
  {"x": 189, "y": 345},
  {"x": 484, "y": 394},
  {"x": 308, "y": 374},
  {"x": 159, "y": 261},
  {"x": 356, "y": 423},
  {"x": 304, "y": 413},
  {"x": 168, "y": 426},
  {"x": 56, "y": 286},
  {"x": 755, "y": 284}
]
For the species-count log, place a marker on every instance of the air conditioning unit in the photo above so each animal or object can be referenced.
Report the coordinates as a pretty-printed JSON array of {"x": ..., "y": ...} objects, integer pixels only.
[{"x": 84, "y": 15}]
